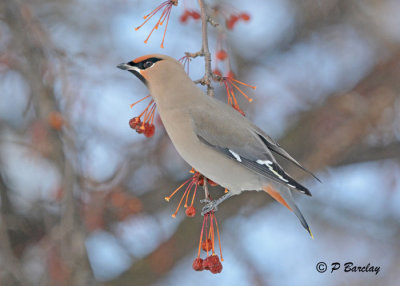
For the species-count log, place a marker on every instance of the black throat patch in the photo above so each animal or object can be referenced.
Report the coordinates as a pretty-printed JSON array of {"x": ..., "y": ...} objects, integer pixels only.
[{"x": 139, "y": 76}]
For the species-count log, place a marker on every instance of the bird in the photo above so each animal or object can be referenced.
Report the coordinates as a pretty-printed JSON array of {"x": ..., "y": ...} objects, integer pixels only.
[{"x": 215, "y": 139}]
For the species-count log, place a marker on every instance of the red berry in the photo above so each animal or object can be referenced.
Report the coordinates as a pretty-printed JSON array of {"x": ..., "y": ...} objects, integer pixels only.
[
  {"x": 230, "y": 74},
  {"x": 216, "y": 268},
  {"x": 217, "y": 72},
  {"x": 212, "y": 183},
  {"x": 222, "y": 55},
  {"x": 195, "y": 15},
  {"x": 213, "y": 264},
  {"x": 140, "y": 128},
  {"x": 133, "y": 123},
  {"x": 198, "y": 264},
  {"x": 207, "y": 263},
  {"x": 245, "y": 16},
  {"x": 234, "y": 18},
  {"x": 149, "y": 130},
  {"x": 206, "y": 245},
  {"x": 200, "y": 181},
  {"x": 184, "y": 16},
  {"x": 214, "y": 260},
  {"x": 230, "y": 23},
  {"x": 56, "y": 120},
  {"x": 190, "y": 211}
]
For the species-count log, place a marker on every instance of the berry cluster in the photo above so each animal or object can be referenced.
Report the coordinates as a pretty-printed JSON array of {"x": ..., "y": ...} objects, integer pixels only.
[
  {"x": 167, "y": 7},
  {"x": 234, "y": 18},
  {"x": 230, "y": 15},
  {"x": 207, "y": 244},
  {"x": 230, "y": 85},
  {"x": 196, "y": 180},
  {"x": 146, "y": 125}
]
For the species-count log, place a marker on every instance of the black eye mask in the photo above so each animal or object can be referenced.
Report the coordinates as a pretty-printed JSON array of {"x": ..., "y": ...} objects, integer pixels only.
[
  {"x": 142, "y": 66},
  {"x": 145, "y": 63}
]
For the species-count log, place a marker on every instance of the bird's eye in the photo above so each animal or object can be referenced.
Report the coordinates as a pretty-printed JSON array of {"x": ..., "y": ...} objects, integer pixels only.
[{"x": 147, "y": 64}]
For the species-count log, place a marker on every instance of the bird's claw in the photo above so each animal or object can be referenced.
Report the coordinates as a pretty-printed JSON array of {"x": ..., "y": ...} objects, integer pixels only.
[
  {"x": 205, "y": 201},
  {"x": 211, "y": 206}
]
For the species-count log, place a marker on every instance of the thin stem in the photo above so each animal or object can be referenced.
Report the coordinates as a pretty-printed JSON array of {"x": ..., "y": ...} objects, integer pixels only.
[
  {"x": 133, "y": 104},
  {"x": 195, "y": 55},
  {"x": 219, "y": 239},
  {"x": 177, "y": 189},
  {"x": 194, "y": 194},
  {"x": 205, "y": 186},
  {"x": 188, "y": 193},
  {"x": 207, "y": 56}
]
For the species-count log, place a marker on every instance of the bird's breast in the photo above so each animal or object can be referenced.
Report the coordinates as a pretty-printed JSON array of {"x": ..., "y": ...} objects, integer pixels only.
[{"x": 207, "y": 161}]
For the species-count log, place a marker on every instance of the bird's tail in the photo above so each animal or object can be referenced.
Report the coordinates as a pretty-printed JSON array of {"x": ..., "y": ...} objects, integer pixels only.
[{"x": 283, "y": 195}]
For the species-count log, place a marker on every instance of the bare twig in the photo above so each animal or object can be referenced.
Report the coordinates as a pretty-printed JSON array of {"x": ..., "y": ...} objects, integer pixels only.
[
  {"x": 205, "y": 50},
  {"x": 195, "y": 55}
]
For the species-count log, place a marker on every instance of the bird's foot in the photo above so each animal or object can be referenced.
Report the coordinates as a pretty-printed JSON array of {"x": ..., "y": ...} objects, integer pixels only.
[
  {"x": 211, "y": 206},
  {"x": 205, "y": 201}
]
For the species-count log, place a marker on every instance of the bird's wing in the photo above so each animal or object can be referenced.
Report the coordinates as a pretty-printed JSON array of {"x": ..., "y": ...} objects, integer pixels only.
[
  {"x": 228, "y": 132},
  {"x": 277, "y": 149}
]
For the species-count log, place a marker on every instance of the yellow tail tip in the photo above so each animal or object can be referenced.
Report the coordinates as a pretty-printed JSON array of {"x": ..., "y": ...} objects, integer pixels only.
[
  {"x": 173, "y": 215},
  {"x": 312, "y": 236},
  {"x": 167, "y": 199}
]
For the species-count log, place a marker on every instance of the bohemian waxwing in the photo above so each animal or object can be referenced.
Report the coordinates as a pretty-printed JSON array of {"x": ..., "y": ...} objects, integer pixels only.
[{"x": 214, "y": 138}]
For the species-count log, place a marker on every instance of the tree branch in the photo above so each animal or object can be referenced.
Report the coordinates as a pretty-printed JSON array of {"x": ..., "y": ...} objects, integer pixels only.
[
  {"x": 30, "y": 36},
  {"x": 205, "y": 50},
  {"x": 366, "y": 153}
]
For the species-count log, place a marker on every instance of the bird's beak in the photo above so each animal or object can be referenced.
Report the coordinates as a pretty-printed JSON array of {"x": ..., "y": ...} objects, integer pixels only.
[
  {"x": 130, "y": 68},
  {"x": 123, "y": 66},
  {"x": 135, "y": 70}
]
